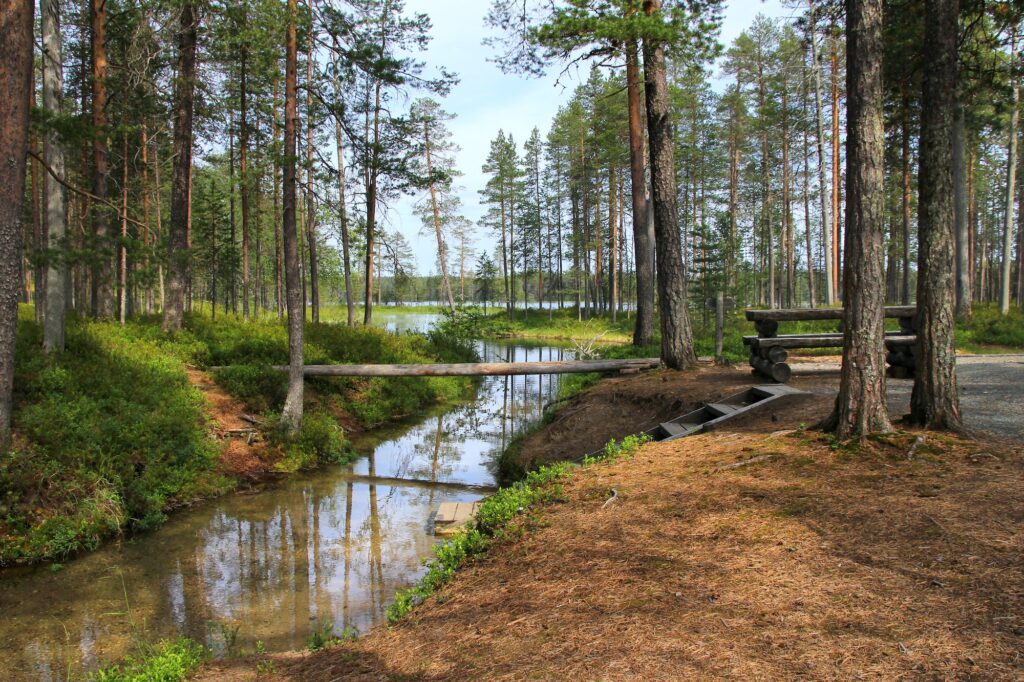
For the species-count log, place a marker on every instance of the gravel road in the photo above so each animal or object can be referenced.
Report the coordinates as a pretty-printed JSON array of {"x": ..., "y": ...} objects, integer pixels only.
[{"x": 990, "y": 392}]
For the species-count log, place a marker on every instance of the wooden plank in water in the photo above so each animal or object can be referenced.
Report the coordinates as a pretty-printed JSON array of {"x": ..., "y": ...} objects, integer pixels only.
[{"x": 452, "y": 516}]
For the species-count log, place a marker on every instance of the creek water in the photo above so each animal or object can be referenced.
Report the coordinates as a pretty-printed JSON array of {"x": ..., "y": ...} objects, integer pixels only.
[{"x": 328, "y": 547}]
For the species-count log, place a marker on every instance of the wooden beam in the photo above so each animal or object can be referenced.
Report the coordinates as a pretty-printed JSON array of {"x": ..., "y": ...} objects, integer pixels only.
[
  {"x": 798, "y": 314},
  {"x": 475, "y": 369},
  {"x": 818, "y": 341}
]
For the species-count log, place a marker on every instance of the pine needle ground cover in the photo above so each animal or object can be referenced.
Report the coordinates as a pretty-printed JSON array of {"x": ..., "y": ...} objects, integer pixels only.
[
  {"x": 116, "y": 432},
  {"x": 763, "y": 555}
]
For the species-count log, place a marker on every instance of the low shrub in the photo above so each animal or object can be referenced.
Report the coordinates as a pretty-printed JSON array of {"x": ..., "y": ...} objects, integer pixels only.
[{"x": 168, "y": 661}]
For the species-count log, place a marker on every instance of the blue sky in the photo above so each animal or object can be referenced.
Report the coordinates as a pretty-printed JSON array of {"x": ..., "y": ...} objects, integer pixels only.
[{"x": 485, "y": 100}]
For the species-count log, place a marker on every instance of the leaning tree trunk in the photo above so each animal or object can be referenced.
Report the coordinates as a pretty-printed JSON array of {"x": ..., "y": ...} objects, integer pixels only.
[
  {"x": 178, "y": 235},
  {"x": 861, "y": 404},
  {"x": 676, "y": 335},
  {"x": 643, "y": 249},
  {"x": 291, "y": 414},
  {"x": 15, "y": 87},
  {"x": 442, "y": 256},
  {"x": 934, "y": 402},
  {"x": 56, "y": 210}
]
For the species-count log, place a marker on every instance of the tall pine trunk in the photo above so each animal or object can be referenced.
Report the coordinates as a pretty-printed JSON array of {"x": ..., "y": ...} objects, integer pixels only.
[
  {"x": 676, "y": 335},
  {"x": 243, "y": 162},
  {"x": 836, "y": 263},
  {"x": 15, "y": 89},
  {"x": 1011, "y": 186},
  {"x": 823, "y": 189},
  {"x": 291, "y": 414},
  {"x": 102, "y": 293},
  {"x": 963, "y": 277},
  {"x": 179, "y": 256},
  {"x": 934, "y": 402},
  {"x": 56, "y": 210},
  {"x": 314, "y": 262},
  {"x": 861, "y": 406}
]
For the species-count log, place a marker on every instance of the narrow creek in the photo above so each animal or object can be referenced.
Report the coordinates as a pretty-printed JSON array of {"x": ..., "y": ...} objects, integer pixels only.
[{"x": 328, "y": 547}]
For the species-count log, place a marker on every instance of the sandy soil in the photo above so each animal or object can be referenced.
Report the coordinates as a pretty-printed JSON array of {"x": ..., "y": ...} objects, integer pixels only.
[{"x": 756, "y": 552}]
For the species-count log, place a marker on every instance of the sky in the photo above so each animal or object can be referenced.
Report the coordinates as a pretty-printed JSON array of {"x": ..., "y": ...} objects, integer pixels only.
[{"x": 485, "y": 100}]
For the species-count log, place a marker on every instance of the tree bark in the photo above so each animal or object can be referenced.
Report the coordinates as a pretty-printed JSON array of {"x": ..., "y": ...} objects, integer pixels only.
[
  {"x": 676, "y": 335},
  {"x": 1011, "y": 186},
  {"x": 179, "y": 241},
  {"x": 836, "y": 261},
  {"x": 811, "y": 290},
  {"x": 122, "y": 250},
  {"x": 934, "y": 402},
  {"x": 314, "y": 263},
  {"x": 342, "y": 206},
  {"x": 442, "y": 257},
  {"x": 102, "y": 293},
  {"x": 826, "y": 232},
  {"x": 906, "y": 198},
  {"x": 56, "y": 199},
  {"x": 963, "y": 278},
  {"x": 16, "y": 87},
  {"x": 861, "y": 406},
  {"x": 291, "y": 414},
  {"x": 243, "y": 160}
]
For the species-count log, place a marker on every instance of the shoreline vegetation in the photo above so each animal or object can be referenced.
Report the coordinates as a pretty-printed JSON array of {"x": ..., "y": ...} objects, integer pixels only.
[{"x": 112, "y": 434}]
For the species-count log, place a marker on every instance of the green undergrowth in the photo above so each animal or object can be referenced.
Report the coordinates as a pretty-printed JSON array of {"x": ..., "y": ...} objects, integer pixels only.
[
  {"x": 495, "y": 521},
  {"x": 167, "y": 661},
  {"x": 987, "y": 330},
  {"x": 110, "y": 435},
  {"x": 245, "y": 354}
]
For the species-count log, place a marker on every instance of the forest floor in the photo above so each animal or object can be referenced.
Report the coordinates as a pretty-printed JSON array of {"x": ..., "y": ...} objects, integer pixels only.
[{"x": 759, "y": 551}]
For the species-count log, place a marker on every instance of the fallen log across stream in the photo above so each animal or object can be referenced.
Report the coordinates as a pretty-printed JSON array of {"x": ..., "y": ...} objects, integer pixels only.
[{"x": 474, "y": 369}]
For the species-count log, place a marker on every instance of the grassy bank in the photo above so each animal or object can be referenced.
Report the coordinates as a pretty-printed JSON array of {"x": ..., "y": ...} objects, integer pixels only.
[
  {"x": 111, "y": 435},
  {"x": 986, "y": 331}
]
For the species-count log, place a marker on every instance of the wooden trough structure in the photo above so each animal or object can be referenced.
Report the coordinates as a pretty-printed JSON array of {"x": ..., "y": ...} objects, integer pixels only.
[
  {"x": 769, "y": 351},
  {"x": 711, "y": 415}
]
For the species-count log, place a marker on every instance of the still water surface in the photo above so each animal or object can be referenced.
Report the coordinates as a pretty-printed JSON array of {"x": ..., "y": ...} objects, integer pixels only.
[{"x": 331, "y": 546}]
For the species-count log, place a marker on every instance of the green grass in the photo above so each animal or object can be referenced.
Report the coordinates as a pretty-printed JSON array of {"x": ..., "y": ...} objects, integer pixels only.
[
  {"x": 555, "y": 324},
  {"x": 110, "y": 435},
  {"x": 168, "y": 661}
]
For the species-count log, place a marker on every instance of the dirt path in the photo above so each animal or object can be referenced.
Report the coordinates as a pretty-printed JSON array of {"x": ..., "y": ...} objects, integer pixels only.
[{"x": 244, "y": 452}]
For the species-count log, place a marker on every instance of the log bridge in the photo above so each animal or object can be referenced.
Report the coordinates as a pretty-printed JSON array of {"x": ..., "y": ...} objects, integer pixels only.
[
  {"x": 478, "y": 369},
  {"x": 769, "y": 351}
]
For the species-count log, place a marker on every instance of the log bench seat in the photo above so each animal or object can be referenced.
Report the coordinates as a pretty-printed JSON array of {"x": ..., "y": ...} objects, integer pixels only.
[{"x": 769, "y": 350}]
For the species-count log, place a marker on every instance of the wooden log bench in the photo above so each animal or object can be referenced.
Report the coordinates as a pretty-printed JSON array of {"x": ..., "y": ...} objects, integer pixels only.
[{"x": 769, "y": 351}]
